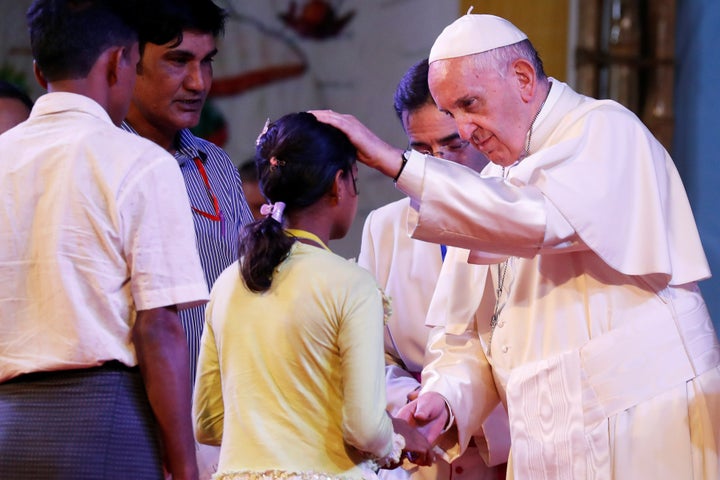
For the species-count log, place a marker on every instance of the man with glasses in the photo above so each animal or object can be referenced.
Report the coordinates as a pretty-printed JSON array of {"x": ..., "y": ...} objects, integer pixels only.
[{"x": 408, "y": 270}]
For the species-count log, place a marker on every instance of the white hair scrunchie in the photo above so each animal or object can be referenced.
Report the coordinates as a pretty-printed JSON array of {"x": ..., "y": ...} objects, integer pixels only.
[{"x": 274, "y": 210}]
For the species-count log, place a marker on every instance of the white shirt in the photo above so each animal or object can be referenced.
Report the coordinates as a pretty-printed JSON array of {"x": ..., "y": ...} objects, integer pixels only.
[
  {"x": 408, "y": 270},
  {"x": 95, "y": 226}
]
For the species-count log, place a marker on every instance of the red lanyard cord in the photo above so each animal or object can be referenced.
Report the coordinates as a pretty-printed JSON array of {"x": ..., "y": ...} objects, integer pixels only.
[{"x": 218, "y": 215}]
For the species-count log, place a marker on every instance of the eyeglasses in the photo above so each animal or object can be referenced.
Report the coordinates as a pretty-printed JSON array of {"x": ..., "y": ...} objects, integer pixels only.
[
  {"x": 449, "y": 150},
  {"x": 354, "y": 177},
  {"x": 217, "y": 215}
]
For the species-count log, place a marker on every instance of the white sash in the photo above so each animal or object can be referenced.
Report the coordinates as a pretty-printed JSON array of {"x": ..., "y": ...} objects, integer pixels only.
[{"x": 553, "y": 403}]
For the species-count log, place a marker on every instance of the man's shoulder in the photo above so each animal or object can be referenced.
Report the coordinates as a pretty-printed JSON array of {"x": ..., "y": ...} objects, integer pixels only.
[
  {"x": 213, "y": 151},
  {"x": 208, "y": 146},
  {"x": 214, "y": 155},
  {"x": 577, "y": 107},
  {"x": 391, "y": 212},
  {"x": 135, "y": 144}
]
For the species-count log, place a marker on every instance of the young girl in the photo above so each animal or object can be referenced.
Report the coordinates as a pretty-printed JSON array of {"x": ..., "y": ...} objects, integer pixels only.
[{"x": 291, "y": 368}]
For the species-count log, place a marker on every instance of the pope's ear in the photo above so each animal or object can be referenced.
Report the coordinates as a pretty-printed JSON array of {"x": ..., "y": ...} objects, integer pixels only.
[{"x": 526, "y": 78}]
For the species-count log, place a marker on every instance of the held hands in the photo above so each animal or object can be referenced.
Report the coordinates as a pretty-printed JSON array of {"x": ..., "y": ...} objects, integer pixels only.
[
  {"x": 428, "y": 413},
  {"x": 372, "y": 150},
  {"x": 417, "y": 449}
]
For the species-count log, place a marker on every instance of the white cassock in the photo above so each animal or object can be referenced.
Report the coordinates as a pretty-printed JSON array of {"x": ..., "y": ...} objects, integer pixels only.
[
  {"x": 604, "y": 353},
  {"x": 407, "y": 270}
]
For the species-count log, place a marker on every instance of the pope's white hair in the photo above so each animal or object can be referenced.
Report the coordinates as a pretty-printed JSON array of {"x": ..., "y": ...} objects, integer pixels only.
[{"x": 500, "y": 59}]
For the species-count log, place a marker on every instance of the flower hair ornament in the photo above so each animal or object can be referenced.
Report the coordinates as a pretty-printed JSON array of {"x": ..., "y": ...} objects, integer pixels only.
[
  {"x": 274, "y": 163},
  {"x": 263, "y": 132},
  {"x": 274, "y": 210}
]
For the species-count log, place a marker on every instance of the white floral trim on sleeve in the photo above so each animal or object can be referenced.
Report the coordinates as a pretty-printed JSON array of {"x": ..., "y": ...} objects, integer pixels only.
[
  {"x": 391, "y": 459},
  {"x": 387, "y": 306}
]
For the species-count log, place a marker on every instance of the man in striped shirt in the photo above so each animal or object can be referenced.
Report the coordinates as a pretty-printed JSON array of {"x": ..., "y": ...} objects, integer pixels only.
[{"x": 174, "y": 78}]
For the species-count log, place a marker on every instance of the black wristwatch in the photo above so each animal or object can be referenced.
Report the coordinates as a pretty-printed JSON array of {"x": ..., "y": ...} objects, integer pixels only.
[{"x": 405, "y": 156}]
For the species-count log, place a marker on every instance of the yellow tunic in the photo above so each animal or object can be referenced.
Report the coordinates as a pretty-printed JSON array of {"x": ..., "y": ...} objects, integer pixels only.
[{"x": 291, "y": 380}]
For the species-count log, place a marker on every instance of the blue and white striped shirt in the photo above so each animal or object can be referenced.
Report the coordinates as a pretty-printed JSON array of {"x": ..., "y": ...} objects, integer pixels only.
[{"x": 217, "y": 241}]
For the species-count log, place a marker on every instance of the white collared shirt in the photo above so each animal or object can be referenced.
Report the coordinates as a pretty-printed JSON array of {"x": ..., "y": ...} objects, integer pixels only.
[{"x": 96, "y": 225}]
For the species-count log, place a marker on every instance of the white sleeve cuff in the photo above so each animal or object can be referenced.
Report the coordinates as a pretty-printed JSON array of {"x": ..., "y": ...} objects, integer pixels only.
[{"x": 451, "y": 417}]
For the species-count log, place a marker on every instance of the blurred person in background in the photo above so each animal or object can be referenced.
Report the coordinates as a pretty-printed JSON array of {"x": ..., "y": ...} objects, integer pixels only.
[
  {"x": 251, "y": 187},
  {"x": 15, "y": 105}
]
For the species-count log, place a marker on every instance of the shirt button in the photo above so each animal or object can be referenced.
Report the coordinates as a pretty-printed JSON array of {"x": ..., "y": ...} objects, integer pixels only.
[
  {"x": 505, "y": 349},
  {"x": 458, "y": 470}
]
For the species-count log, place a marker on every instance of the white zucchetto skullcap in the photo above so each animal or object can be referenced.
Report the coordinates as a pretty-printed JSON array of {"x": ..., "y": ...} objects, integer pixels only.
[{"x": 471, "y": 34}]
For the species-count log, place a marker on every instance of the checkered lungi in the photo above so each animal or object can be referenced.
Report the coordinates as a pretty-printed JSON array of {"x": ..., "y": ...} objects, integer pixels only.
[{"x": 89, "y": 424}]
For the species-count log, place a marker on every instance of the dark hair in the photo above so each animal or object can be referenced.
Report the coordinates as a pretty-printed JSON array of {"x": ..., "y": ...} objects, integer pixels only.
[
  {"x": 413, "y": 92},
  {"x": 248, "y": 171},
  {"x": 168, "y": 22},
  {"x": 297, "y": 159},
  {"x": 68, "y": 36},
  {"x": 10, "y": 90}
]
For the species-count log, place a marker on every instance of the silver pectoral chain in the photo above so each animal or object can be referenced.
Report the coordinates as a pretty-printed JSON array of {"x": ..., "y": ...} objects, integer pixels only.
[
  {"x": 502, "y": 271},
  {"x": 502, "y": 267}
]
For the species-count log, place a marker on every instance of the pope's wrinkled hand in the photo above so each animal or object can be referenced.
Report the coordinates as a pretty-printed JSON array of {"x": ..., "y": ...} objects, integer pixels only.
[
  {"x": 417, "y": 449},
  {"x": 372, "y": 150},
  {"x": 428, "y": 413}
]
